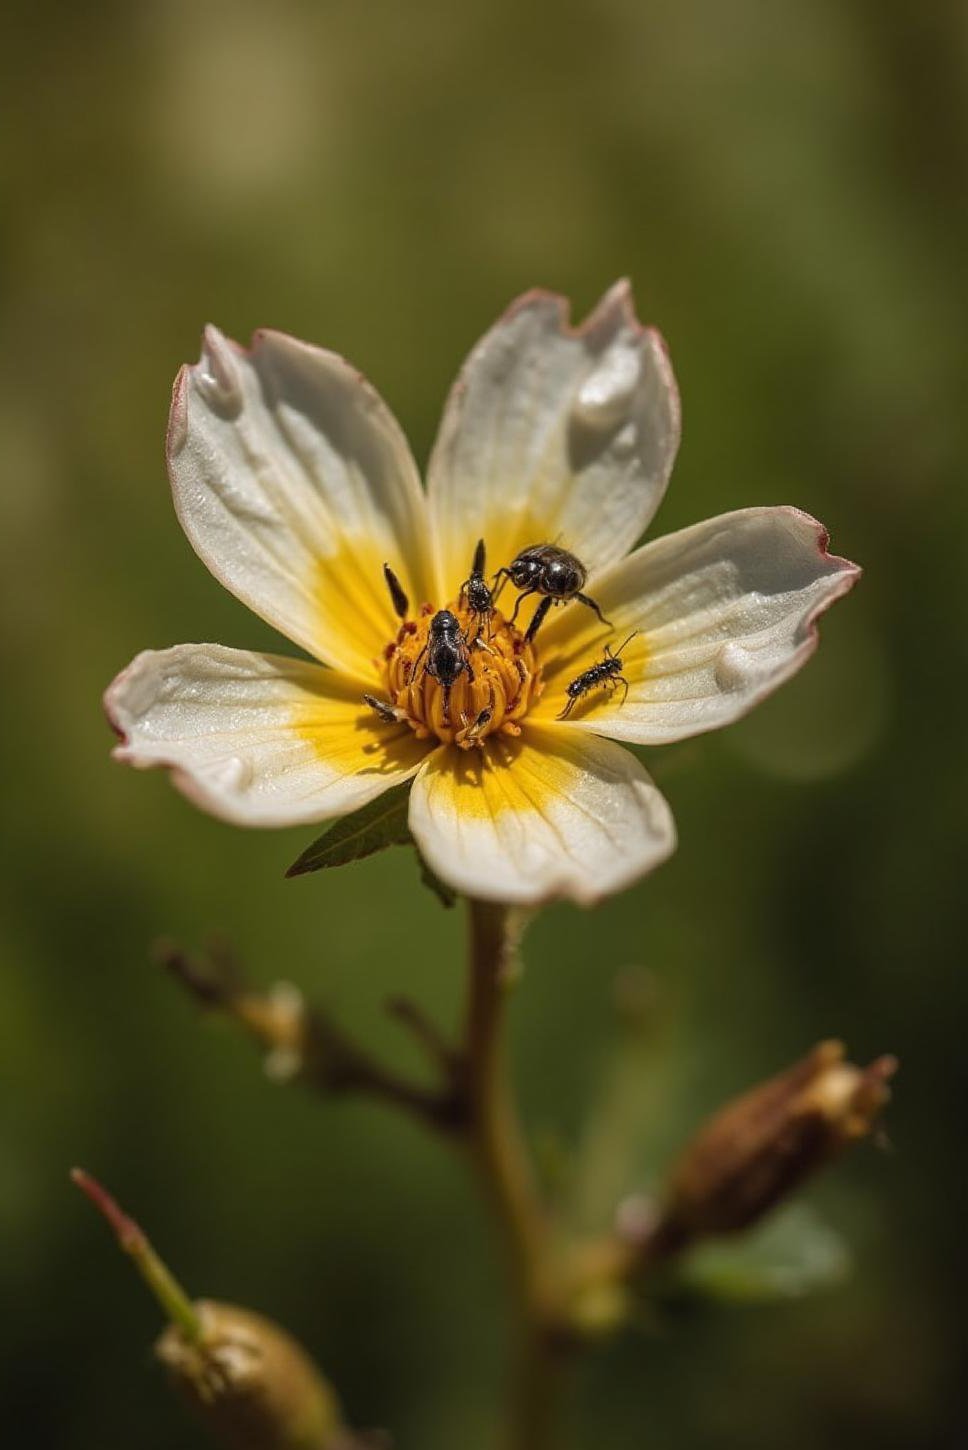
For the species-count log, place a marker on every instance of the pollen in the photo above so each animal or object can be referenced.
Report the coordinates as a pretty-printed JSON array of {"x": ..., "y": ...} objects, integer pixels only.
[{"x": 492, "y": 694}]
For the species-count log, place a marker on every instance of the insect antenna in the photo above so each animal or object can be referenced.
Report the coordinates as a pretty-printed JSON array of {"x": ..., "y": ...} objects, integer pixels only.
[{"x": 616, "y": 653}]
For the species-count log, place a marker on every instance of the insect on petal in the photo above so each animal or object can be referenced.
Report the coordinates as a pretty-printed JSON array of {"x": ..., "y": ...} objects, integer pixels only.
[{"x": 724, "y": 611}]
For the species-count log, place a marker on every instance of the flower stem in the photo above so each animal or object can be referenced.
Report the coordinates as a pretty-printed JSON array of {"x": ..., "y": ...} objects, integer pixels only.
[
  {"x": 497, "y": 1144},
  {"x": 164, "y": 1286}
]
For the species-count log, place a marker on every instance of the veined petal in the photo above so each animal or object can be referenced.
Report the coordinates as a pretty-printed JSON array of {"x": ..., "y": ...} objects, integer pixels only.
[
  {"x": 724, "y": 611},
  {"x": 294, "y": 483},
  {"x": 555, "y": 434},
  {"x": 551, "y": 814},
  {"x": 256, "y": 739}
]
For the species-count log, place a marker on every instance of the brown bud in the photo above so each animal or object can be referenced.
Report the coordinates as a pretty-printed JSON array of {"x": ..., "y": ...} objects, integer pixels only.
[
  {"x": 761, "y": 1146},
  {"x": 250, "y": 1383},
  {"x": 248, "y": 1380}
]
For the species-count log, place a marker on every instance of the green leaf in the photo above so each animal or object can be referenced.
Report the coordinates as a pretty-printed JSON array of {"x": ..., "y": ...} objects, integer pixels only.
[
  {"x": 372, "y": 828},
  {"x": 792, "y": 1254}
]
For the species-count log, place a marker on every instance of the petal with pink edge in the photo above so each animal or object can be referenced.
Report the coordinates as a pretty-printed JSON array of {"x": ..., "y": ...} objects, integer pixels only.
[
  {"x": 549, "y": 815},
  {"x": 723, "y": 613},
  {"x": 554, "y": 434},
  {"x": 257, "y": 739},
  {"x": 294, "y": 483}
]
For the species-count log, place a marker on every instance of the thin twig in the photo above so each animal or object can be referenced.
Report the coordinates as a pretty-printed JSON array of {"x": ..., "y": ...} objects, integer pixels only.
[
  {"x": 303, "y": 1044},
  {"x": 426, "y": 1032}
]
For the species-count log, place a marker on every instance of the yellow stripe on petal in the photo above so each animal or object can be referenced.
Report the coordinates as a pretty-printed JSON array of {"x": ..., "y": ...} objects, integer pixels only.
[
  {"x": 555, "y": 434},
  {"x": 726, "y": 611},
  {"x": 294, "y": 483},
  {"x": 551, "y": 814},
  {"x": 354, "y": 607},
  {"x": 257, "y": 739},
  {"x": 348, "y": 737}
]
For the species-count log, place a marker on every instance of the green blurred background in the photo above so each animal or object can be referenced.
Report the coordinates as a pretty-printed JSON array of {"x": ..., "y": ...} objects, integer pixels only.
[{"x": 786, "y": 186}]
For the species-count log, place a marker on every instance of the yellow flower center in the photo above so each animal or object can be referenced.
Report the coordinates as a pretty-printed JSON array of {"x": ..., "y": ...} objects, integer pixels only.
[{"x": 499, "y": 681}]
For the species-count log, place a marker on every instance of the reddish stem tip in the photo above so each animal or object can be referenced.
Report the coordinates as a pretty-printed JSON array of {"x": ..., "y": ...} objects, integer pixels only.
[{"x": 127, "y": 1232}]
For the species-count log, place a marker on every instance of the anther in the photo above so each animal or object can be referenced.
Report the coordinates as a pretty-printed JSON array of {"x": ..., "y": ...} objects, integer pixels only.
[
  {"x": 471, "y": 734},
  {"x": 400, "y": 601},
  {"x": 385, "y": 711}
]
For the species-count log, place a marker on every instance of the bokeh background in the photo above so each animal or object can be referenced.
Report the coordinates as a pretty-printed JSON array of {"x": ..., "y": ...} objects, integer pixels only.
[{"x": 785, "y": 184}]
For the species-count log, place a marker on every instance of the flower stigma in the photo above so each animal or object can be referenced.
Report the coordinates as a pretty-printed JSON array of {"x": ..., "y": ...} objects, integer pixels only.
[{"x": 499, "y": 682}]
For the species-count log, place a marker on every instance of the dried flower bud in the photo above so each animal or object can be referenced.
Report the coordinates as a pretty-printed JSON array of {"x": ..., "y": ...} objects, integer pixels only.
[
  {"x": 250, "y": 1383},
  {"x": 762, "y": 1145},
  {"x": 248, "y": 1380}
]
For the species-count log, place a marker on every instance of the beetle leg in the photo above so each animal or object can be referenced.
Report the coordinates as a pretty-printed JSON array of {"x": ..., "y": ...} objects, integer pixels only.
[
  {"x": 504, "y": 575},
  {"x": 584, "y": 599},
  {"x": 518, "y": 602},
  {"x": 537, "y": 618}
]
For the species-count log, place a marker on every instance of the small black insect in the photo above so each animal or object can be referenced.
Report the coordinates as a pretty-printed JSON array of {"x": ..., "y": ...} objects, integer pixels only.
[
  {"x": 446, "y": 654},
  {"x": 606, "y": 672},
  {"x": 552, "y": 572},
  {"x": 476, "y": 593}
]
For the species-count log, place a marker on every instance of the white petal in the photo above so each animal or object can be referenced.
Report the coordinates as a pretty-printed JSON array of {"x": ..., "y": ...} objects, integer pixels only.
[
  {"x": 549, "y": 815},
  {"x": 555, "y": 434},
  {"x": 294, "y": 483},
  {"x": 725, "y": 612},
  {"x": 256, "y": 739}
]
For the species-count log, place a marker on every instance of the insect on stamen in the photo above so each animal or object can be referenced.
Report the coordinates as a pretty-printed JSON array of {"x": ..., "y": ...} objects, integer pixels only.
[
  {"x": 445, "y": 664},
  {"x": 444, "y": 656},
  {"x": 476, "y": 596}
]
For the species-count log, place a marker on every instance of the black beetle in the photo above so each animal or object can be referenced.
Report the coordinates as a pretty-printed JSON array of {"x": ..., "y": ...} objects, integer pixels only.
[
  {"x": 552, "y": 572},
  {"x": 446, "y": 654}
]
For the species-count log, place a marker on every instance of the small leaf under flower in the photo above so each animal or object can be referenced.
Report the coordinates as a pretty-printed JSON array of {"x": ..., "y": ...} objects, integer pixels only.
[
  {"x": 793, "y": 1254},
  {"x": 374, "y": 827}
]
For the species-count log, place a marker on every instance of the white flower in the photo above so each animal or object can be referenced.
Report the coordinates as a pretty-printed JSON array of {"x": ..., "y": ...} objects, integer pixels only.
[{"x": 295, "y": 485}]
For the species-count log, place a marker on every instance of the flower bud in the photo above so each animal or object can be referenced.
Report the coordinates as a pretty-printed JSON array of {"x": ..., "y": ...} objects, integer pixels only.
[
  {"x": 761, "y": 1146},
  {"x": 249, "y": 1382}
]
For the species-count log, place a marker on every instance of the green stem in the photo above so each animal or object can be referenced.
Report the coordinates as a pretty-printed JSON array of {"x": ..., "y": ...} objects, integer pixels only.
[
  {"x": 504, "y": 1167},
  {"x": 166, "y": 1289}
]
